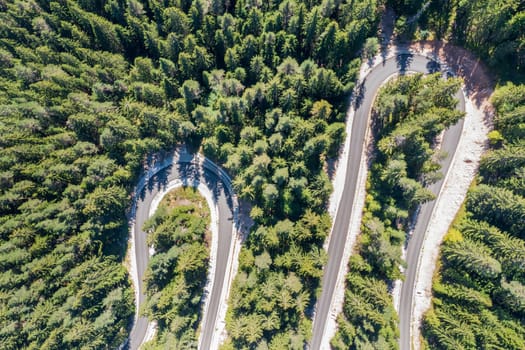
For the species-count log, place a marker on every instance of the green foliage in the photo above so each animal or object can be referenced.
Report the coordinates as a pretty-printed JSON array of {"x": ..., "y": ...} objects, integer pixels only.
[
  {"x": 493, "y": 29},
  {"x": 89, "y": 89},
  {"x": 499, "y": 31},
  {"x": 475, "y": 258},
  {"x": 177, "y": 271},
  {"x": 479, "y": 297},
  {"x": 499, "y": 207},
  {"x": 368, "y": 308},
  {"x": 277, "y": 282},
  {"x": 278, "y": 96},
  {"x": 370, "y": 48},
  {"x": 76, "y": 124}
]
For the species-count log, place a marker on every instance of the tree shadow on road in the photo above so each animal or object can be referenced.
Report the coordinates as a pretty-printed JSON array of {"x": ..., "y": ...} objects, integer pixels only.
[
  {"x": 359, "y": 94},
  {"x": 433, "y": 66},
  {"x": 193, "y": 175},
  {"x": 403, "y": 62}
]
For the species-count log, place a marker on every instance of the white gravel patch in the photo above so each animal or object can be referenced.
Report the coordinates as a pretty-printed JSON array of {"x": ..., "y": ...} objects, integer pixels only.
[
  {"x": 396, "y": 291},
  {"x": 462, "y": 171},
  {"x": 336, "y": 306},
  {"x": 354, "y": 227},
  {"x": 478, "y": 122},
  {"x": 338, "y": 182},
  {"x": 151, "y": 331},
  {"x": 221, "y": 334},
  {"x": 131, "y": 265}
]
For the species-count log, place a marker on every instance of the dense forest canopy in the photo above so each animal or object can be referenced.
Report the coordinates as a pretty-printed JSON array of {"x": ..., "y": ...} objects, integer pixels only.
[
  {"x": 179, "y": 232},
  {"x": 89, "y": 88},
  {"x": 479, "y": 293},
  {"x": 479, "y": 287},
  {"x": 492, "y": 29}
]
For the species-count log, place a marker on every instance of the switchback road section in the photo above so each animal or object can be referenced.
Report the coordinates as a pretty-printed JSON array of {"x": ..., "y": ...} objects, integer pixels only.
[
  {"x": 192, "y": 170},
  {"x": 401, "y": 63}
]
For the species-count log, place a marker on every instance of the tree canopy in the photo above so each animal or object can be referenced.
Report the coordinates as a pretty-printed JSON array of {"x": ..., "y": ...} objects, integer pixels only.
[
  {"x": 176, "y": 275},
  {"x": 478, "y": 294},
  {"x": 90, "y": 89}
]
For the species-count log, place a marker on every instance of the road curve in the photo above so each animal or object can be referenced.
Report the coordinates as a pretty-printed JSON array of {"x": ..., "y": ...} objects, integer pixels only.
[
  {"x": 371, "y": 83},
  {"x": 192, "y": 170}
]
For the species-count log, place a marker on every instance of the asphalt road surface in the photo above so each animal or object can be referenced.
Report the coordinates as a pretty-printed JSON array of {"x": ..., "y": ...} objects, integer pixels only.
[
  {"x": 449, "y": 145},
  {"x": 191, "y": 172},
  {"x": 400, "y": 64}
]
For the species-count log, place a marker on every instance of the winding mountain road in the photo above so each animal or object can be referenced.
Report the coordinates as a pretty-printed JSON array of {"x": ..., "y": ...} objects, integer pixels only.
[
  {"x": 192, "y": 170},
  {"x": 400, "y": 64}
]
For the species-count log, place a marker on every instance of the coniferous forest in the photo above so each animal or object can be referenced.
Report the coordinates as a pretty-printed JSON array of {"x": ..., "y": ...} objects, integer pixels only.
[
  {"x": 177, "y": 271},
  {"x": 90, "y": 88},
  {"x": 479, "y": 294},
  {"x": 478, "y": 291}
]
